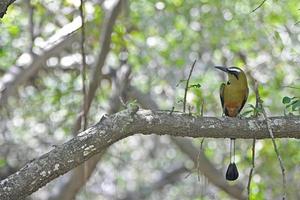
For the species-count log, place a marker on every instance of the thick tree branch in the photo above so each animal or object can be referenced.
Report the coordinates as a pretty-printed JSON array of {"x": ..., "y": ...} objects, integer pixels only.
[{"x": 109, "y": 130}]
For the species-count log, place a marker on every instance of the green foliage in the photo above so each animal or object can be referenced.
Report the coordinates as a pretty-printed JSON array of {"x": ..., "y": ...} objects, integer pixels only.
[
  {"x": 2, "y": 162},
  {"x": 292, "y": 104}
]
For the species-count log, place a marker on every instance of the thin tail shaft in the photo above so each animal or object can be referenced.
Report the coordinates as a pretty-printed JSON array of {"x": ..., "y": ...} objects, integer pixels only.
[{"x": 232, "y": 171}]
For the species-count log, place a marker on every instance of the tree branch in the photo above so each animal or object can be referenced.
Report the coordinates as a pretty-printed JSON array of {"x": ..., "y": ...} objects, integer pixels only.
[
  {"x": 113, "y": 128},
  {"x": 4, "y": 5}
]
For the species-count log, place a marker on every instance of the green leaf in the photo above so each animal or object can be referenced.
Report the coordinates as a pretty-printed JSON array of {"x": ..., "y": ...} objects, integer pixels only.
[
  {"x": 296, "y": 105},
  {"x": 2, "y": 162},
  {"x": 286, "y": 100},
  {"x": 14, "y": 30},
  {"x": 195, "y": 85},
  {"x": 244, "y": 114},
  {"x": 252, "y": 106}
]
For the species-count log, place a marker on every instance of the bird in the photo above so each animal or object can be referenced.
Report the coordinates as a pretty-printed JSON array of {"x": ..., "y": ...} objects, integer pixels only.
[{"x": 233, "y": 96}]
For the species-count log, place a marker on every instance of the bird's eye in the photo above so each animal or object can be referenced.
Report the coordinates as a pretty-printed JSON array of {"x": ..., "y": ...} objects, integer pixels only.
[{"x": 228, "y": 82}]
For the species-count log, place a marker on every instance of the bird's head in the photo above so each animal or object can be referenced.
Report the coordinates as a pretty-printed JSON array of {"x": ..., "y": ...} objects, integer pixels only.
[{"x": 235, "y": 75}]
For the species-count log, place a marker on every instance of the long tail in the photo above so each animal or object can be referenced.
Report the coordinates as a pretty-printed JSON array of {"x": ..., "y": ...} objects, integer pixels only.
[{"x": 232, "y": 171}]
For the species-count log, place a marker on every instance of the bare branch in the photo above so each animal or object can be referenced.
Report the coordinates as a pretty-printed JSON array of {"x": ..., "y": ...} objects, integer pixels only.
[
  {"x": 260, "y": 5},
  {"x": 187, "y": 85}
]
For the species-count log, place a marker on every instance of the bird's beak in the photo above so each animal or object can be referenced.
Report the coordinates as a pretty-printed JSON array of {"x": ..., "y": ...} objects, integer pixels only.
[{"x": 224, "y": 69}]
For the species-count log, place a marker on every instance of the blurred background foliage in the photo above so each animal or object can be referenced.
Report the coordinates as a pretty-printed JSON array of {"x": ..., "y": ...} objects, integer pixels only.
[{"x": 159, "y": 40}]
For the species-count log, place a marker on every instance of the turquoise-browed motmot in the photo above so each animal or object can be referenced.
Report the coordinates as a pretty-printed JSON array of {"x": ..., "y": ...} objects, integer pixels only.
[{"x": 233, "y": 95}]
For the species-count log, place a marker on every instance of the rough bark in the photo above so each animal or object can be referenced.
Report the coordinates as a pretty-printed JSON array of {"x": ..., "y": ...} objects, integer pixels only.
[{"x": 113, "y": 128}]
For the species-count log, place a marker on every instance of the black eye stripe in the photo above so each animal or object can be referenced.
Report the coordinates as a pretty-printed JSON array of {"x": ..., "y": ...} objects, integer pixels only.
[
  {"x": 236, "y": 75},
  {"x": 235, "y": 72}
]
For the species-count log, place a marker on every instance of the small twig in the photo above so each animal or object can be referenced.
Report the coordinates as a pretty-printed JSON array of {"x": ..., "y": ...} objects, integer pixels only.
[
  {"x": 188, "y": 174},
  {"x": 275, "y": 148},
  {"x": 190, "y": 110},
  {"x": 292, "y": 87},
  {"x": 252, "y": 168},
  {"x": 83, "y": 79},
  {"x": 277, "y": 153},
  {"x": 202, "y": 108},
  {"x": 181, "y": 81},
  {"x": 187, "y": 85},
  {"x": 122, "y": 102},
  {"x": 256, "y": 113},
  {"x": 260, "y": 5},
  {"x": 83, "y": 69},
  {"x": 201, "y": 144},
  {"x": 171, "y": 112},
  {"x": 31, "y": 26},
  {"x": 198, "y": 158}
]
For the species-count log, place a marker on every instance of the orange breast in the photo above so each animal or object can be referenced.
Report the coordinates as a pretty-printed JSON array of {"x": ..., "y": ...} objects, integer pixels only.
[{"x": 232, "y": 108}]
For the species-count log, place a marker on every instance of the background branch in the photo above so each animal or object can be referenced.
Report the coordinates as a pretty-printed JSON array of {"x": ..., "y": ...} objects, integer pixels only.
[{"x": 18, "y": 75}]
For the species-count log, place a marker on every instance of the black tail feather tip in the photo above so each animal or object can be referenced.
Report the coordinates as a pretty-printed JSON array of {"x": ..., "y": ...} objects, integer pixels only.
[{"x": 232, "y": 172}]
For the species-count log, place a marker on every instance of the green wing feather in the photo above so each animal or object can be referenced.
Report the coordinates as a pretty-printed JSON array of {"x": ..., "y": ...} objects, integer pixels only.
[
  {"x": 244, "y": 100},
  {"x": 222, "y": 95}
]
